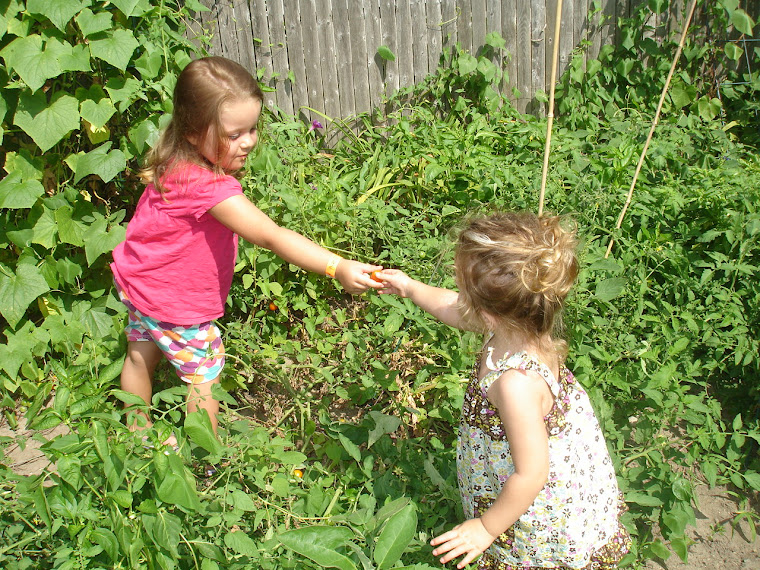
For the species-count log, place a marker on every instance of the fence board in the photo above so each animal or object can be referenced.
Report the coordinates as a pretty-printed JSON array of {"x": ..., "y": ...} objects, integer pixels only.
[
  {"x": 464, "y": 24},
  {"x": 344, "y": 60},
  {"x": 450, "y": 22},
  {"x": 405, "y": 53},
  {"x": 312, "y": 63},
  {"x": 419, "y": 40},
  {"x": 296, "y": 66},
  {"x": 538, "y": 71},
  {"x": 323, "y": 54},
  {"x": 435, "y": 33},
  {"x": 390, "y": 68},
  {"x": 374, "y": 40},
  {"x": 509, "y": 33}
]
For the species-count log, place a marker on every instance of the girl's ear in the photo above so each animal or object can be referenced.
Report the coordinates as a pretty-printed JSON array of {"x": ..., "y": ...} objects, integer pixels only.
[{"x": 192, "y": 139}]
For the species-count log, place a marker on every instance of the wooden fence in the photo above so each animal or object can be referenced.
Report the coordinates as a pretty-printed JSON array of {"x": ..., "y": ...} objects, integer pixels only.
[{"x": 321, "y": 55}]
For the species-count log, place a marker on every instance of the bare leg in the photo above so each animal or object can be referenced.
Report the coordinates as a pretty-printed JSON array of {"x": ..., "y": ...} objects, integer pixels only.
[
  {"x": 199, "y": 398},
  {"x": 137, "y": 374}
]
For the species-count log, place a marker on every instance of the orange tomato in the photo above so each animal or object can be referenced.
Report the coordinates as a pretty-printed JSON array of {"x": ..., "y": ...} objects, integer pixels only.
[
  {"x": 374, "y": 277},
  {"x": 272, "y": 307},
  {"x": 298, "y": 473}
]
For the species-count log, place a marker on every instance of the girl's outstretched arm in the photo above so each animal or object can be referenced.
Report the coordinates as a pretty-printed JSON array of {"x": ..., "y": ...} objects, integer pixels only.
[
  {"x": 240, "y": 215},
  {"x": 522, "y": 399},
  {"x": 441, "y": 303}
]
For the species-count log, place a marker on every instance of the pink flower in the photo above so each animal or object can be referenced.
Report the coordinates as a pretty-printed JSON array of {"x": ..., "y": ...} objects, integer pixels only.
[{"x": 315, "y": 125}]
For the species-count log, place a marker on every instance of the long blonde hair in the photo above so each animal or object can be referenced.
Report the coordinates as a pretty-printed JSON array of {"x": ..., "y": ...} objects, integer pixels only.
[
  {"x": 203, "y": 87},
  {"x": 518, "y": 268}
]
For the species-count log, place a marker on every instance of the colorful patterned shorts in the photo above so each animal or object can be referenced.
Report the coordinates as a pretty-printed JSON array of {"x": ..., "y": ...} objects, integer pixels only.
[{"x": 195, "y": 351}]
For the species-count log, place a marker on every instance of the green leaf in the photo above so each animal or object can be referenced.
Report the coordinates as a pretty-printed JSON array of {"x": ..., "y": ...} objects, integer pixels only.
[
  {"x": 117, "y": 49},
  {"x": 69, "y": 231},
  {"x": 124, "y": 91},
  {"x": 753, "y": 480},
  {"x": 682, "y": 94},
  {"x": 90, "y": 23},
  {"x": 396, "y": 535},
  {"x": 17, "y": 348},
  {"x": 733, "y": 51},
  {"x": 126, "y": 6},
  {"x": 100, "y": 161},
  {"x": 15, "y": 194},
  {"x": 47, "y": 124},
  {"x": 610, "y": 288},
  {"x": 98, "y": 239},
  {"x": 386, "y": 53},
  {"x": 34, "y": 64},
  {"x": 289, "y": 457},
  {"x": 241, "y": 543},
  {"x": 742, "y": 21},
  {"x": 240, "y": 500},
  {"x": 199, "y": 430},
  {"x": 144, "y": 135},
  {"x": 384, "y": 424},
  {"x": 175, "y": 489},
  {"x": 97, "y": 113},
  {"x": 107, "y": 539},
  {"x": 318, "y": 543},
  {"x": 466, "y": 63},
  {"x": 59, "y": 12},
  {"x": 45, "y": 229},
  {"x": 18, "y": 290},
  {"x": 495, "y": 40},
  {"x": 643, "y": 499}
]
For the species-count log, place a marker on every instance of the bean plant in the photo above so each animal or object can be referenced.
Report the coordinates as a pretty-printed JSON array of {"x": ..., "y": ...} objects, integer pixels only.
[{"x": 340, "y": 412}]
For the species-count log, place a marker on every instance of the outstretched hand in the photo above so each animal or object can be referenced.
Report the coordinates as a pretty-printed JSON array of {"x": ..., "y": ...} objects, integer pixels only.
[
  {"x": 355, "y": 276},
  {"x": 394, "y": 282},
  {"x": 469, "y": 538}
]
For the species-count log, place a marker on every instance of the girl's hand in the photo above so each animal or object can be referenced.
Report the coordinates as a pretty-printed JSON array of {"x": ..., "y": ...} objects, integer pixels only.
[
  {"x": 355, "y": 276},
  {"x": 395, "y": 282},
  {"x": 469, "y": 538}
]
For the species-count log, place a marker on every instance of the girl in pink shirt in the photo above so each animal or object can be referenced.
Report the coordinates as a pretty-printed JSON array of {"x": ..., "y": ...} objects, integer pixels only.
[{"x": 175, "y": 267}]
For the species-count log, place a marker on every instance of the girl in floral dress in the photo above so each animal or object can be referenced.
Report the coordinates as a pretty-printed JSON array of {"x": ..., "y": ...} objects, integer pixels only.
[{"x": 536, "y": 480}]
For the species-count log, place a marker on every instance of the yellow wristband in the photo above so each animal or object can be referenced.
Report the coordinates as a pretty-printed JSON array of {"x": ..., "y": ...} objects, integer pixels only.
[{"x": 332, "y": 265}]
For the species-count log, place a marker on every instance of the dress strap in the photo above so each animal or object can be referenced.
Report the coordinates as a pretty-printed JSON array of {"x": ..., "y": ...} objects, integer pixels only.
[{"x": 521, "y": 361}]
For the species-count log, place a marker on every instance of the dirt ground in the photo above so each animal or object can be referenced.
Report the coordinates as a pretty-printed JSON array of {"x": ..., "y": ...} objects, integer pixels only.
[{"x": 717, "y": 543}]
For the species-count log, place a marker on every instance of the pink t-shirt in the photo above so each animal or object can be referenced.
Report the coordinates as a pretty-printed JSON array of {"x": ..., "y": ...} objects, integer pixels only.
[{"x": 177, "y": 261}]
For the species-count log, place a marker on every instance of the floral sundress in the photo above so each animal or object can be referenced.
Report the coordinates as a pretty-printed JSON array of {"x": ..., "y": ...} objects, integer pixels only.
[{"x": 575, "y": 520}]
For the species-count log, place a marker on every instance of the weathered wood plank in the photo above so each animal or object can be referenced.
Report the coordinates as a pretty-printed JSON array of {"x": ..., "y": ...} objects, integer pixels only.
[
  {"x": 343, "y": 58},
  {"x": 279, "y": 50},
  {"x": 538, "y": 54},
  {"x": 389, "y": 69},
  {"x": 509, "y": 33},
  {"x": 479, "y": 30},
  {"x": 449, "y": 22},
  {"x": 405, "y": 53},
  {"x": 357, "y": 40},
  {"x": 435, "y": 33},
  {"x": 327, "y": 58},
  {"x": 464, "y": 25},
  {"x": 374, "y": 39},
  {"x": 297, "y": 87},
  {"x": 312, "y": 63},
  {"x": 420, "y": 42},
  {"x": 524, "y": 54}
]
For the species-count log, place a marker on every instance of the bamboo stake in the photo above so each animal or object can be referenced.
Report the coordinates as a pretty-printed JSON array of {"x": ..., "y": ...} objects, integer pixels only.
[
  {"x": 685, "y": 30},
  {"x": 550, "y": 114}
]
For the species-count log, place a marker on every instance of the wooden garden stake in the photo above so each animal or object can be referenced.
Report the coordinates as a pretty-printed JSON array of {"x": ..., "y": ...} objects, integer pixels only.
[
  {"x": 654, "y": 123},
  {"x": 550, "y": 114}
]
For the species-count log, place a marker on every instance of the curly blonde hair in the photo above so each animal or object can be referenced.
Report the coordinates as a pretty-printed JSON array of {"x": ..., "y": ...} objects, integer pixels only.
[
  {"x": 518, "y": 268},
  {"x": 203, "y": 87}
]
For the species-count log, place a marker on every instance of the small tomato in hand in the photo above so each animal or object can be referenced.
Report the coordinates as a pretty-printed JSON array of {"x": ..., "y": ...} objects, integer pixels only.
[{"x": 374, "y": 277}]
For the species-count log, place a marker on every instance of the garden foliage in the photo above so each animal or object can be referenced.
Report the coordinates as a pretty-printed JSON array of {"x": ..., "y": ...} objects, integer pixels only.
[{"x": 337, "y": 432}]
